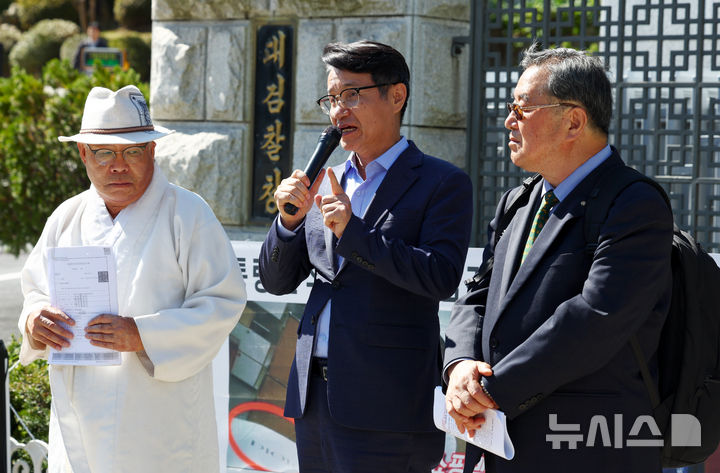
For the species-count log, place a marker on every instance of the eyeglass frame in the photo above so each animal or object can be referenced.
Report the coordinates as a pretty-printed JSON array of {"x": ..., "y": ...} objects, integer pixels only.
[
  {"x": 512, "y": 107},
  {"x": 115, "y": 154},
  {"x": 338, "y": 98}
]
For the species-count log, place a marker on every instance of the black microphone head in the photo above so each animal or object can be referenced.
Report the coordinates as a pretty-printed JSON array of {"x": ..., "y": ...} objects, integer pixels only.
[{"x": 333, "y": 131}]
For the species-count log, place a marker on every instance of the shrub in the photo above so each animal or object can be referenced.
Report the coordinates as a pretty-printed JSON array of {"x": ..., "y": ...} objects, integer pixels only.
[
  {"x": 29, "y": 395},
  {"x": 10, "y": 16},
  {"x": 132, "y": 13},
  {"x": 137, "y": 50},
  {"x": 70, "y": 46},
  {"x": 4, "y": 4},
  {"x": 37, "y": 172},
  {"x": 32, "y": 11},
  {"x": 41, "y": 43},
  {"x": 9, "y": 36}
]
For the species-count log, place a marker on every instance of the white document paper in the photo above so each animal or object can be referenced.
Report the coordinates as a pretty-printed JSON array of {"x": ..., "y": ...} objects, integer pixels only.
[
  {"x": 491, "y": 436},
  {"x": 82, "y": 282}
]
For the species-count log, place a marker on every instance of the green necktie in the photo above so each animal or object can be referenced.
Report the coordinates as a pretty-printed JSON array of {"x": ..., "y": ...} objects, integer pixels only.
[{"x": 541, "y": 217}]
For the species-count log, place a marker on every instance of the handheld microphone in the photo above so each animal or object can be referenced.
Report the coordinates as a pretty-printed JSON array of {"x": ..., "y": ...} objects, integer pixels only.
[{"x": 328, "y": 141}]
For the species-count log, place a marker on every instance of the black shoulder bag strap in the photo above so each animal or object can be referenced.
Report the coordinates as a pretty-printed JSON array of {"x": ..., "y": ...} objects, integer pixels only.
[{"x": 520, "y": 199}]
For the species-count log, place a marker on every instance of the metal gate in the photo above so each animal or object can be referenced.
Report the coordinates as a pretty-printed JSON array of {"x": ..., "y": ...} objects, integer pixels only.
[{"x": 664, "y": 63}]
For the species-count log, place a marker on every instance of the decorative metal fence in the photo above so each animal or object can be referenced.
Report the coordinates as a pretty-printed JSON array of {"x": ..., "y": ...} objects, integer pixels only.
[{"x": 664, "y": 63}]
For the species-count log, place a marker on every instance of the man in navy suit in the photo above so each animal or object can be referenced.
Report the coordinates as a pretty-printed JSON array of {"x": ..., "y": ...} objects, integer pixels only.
[
  {"x": 546, "y": 337},
  {"x": 387, "y": 234}
]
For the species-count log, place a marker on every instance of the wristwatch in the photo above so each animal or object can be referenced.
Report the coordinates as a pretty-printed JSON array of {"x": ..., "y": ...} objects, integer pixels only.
[{"x": 485, "y": 391}]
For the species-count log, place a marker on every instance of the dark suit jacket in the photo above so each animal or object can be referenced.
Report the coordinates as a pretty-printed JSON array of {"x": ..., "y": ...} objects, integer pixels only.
[
  {"x": 403, "y": 257},
  {"x": 556, "y": 329}
]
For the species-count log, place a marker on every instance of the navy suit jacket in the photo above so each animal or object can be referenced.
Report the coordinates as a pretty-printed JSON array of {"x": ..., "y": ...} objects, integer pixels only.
[
  {"x": 400, "y": 259},
  {"x": 556, "y": 328}
]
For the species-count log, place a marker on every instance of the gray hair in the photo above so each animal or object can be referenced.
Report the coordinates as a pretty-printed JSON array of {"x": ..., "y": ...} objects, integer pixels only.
[{"x": 575, "y": 76}]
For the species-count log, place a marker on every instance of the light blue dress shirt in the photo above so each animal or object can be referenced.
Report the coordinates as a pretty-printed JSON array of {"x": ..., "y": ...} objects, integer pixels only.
[
  {"x": 565, "y": 187},
  {"x": 361, "y": 193}
]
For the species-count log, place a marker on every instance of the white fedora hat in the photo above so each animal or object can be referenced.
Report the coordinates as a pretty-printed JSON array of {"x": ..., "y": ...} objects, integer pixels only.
[{"x": 116, "y": 118}]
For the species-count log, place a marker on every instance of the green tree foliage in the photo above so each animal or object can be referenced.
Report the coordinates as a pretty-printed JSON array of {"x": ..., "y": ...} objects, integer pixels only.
[
  {"x": 41, "y": 43},
  {"x": 32, "y": 11},
  {"x": 136, "y": 47},
  {"x": 4, "y": 4},
  {"x": 132, "y": 13},
  {"x": 527, "y": 24},
  {"x": 9, "y": 36},
  {"x": 71, "y": 45},
  {"x": 137, "y": 51},
  {"x": 38, "y": 172},
  {"x": 29, "y": 396}
]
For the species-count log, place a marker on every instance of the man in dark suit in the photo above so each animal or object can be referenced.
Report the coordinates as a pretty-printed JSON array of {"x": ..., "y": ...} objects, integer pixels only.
[
  {"x": 546, "y": 337},
  {"x": 386, "y": 233}
]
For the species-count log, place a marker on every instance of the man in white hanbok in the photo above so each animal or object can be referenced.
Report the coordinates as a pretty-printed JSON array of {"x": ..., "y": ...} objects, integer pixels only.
[{"x": 180, "y": 293}]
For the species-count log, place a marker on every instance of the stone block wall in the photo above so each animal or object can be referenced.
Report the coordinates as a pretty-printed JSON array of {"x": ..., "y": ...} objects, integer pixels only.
[{"x": 203, "y": 56}]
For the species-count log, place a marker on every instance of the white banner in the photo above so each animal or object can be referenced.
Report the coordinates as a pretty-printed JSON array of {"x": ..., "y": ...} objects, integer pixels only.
[{"x": 248, "y": 252}]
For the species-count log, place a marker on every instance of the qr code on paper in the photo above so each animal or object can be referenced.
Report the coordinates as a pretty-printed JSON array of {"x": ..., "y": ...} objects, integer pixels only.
[{"x": 102, "y": 276}]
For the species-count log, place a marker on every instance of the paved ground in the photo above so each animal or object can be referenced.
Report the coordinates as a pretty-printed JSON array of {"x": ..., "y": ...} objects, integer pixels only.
[{"x": 10, "y": 294}]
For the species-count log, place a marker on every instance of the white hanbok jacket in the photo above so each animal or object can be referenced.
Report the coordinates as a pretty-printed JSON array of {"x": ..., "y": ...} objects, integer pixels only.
[{"x": 178, "y": 277}]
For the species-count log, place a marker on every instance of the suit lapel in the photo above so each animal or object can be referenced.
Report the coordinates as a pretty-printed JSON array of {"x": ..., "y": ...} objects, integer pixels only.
[
  {"x": 320, "y": 237},
  {"x": 571, "y": 208},
  {"x": 565, "y": 212},
  {"x": 321, "y": 256},
  {"x": 516, "y": 239},
  {"x": 397, "y": 181}
]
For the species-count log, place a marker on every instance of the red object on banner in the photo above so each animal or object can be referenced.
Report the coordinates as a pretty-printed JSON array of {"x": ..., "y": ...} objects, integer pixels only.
[
  {"x": 246, "y": 407},
  {"x": 712, "y": 464},
  {"x": 454, "y": 463}
]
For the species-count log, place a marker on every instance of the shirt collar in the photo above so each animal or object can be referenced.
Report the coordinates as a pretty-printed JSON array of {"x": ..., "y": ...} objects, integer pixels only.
[
  {"x": 565, "y": 187},
  {"x": 383, "y": 162}
]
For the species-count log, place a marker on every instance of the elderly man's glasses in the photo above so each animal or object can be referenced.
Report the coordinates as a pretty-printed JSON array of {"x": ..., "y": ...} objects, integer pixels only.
[
  {"x": 131, "y": 155},
  {"x": 520, "y": 111},
  {"x": 348, "y": 98}
]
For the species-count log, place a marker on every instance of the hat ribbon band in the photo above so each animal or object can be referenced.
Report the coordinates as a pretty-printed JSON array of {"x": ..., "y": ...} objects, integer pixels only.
[{"x": 112, "y": 131}]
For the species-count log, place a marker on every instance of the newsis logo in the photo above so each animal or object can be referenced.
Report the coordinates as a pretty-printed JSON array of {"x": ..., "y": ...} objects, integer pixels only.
[{"x": 684, "y": 431}]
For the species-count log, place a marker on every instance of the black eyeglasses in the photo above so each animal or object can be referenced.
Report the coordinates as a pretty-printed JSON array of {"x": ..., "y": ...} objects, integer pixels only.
[
  {"x": 520, "y": 111},
  {"x": 348, "y": 98},
  {"x": 131, "y": 155}
]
